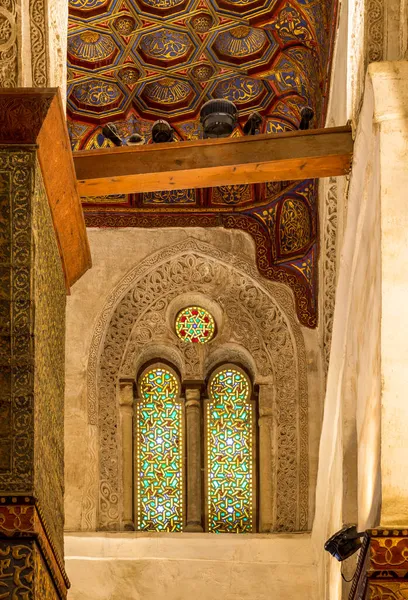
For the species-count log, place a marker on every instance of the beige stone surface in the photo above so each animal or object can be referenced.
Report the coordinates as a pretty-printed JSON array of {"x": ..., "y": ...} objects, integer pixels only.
[{"x": 203, "y": 566}]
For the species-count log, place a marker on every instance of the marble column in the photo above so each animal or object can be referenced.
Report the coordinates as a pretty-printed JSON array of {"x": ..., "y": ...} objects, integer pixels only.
[
  {"x": 193, "y": 436},
  {"x": 126, "y": 422},
  {"x": 266, "y": 458}
]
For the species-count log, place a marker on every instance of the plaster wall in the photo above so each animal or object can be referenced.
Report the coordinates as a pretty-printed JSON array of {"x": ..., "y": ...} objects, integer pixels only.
[
  {"x": 220, "y": 567},
  {"x": 351, "y": 425},
  {"x": 363, "y": 446}
]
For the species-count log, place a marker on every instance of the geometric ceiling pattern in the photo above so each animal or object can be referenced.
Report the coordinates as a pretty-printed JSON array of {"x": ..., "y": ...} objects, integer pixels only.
[{"x": 133, "y": 61}]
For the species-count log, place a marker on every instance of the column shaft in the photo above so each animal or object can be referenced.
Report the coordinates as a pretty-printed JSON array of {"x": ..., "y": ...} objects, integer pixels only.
[
  {"x": 126, "y": 421},
  {"x": 193, "y": 431},
  {"x": 266, "y": 459}
]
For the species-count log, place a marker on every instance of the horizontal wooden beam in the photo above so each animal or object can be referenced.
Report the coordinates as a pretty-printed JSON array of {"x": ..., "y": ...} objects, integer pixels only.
[
  {"x": 209, "y": 163},
  {"x": 37, "y": 116}
]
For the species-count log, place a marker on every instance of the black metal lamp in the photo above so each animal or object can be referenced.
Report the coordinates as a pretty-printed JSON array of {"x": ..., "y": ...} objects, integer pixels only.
[
  {"x": 306, "y": 115},
  {"x": 162, "y": 132},
  {"x": 218, "y": 118},
  {"x": 344, "y": 543},
  {"x": 111, "y": 133},
  {"x": 253, "y": 125}
]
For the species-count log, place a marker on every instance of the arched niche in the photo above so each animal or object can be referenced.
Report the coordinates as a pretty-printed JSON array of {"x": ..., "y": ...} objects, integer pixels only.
[{"x": 259, "y": 324}]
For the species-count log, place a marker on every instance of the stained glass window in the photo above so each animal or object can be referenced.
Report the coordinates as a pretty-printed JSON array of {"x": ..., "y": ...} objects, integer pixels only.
[
  {"x": 195, "y": 324},
  {"x": 159, "y": 452},
  {"x": 230, "y": 453}
]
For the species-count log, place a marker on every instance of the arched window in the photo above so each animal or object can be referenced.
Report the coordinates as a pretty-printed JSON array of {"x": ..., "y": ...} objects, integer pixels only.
[
  {"x": 159, "y": 451},
  {"x": 162, "y": 500},
  {"x": 230, "y": 452}
]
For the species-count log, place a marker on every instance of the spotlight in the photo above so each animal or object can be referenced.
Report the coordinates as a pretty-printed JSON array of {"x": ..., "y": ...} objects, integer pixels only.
[
  {"x": 218, "y": 118},
  {"x": 253, "y": 125},
  {"x": 344, "y": 543},
  {"x": 307, "y": 115},
  {"x": 111, "y": 133},
  {"x": 135, "y": 140},
  {"x": 162, "y": 132}
]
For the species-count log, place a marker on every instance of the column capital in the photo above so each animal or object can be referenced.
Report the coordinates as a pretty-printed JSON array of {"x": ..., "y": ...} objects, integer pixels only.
[
  {"x": 126, "y": 396},
  {"x": 192, "y": 394}
]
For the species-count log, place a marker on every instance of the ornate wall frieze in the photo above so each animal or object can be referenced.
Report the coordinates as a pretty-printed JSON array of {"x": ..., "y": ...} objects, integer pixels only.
[
  {"x": 8, "y": 44},
  {"x": 329, "y": 243},
  {"x": 375, "y": 25},
  {"x": 39, "y": 42}
]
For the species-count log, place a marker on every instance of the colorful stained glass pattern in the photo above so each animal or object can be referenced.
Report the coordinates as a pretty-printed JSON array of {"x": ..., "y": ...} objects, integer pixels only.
[
  {"x": 230, "y": 420},
  {"x": 159, "y": 463},
  {"x": 195, "y": 324}
]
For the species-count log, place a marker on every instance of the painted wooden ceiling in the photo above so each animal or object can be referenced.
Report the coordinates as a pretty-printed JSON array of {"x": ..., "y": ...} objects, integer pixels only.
[{"x": 133, "y": 61}]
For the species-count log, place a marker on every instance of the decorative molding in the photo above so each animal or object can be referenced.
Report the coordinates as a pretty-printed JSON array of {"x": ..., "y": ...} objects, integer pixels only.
[
  {"x": 329, "y": 243},
  {"x": 262, "y": 320},
  {"x": 39, "y": 43},
  {"x": 9, "y": 44},
  {"x": 375, "y": 25}
]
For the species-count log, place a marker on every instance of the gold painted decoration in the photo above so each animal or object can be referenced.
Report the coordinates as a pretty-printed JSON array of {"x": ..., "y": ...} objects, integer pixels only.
[
  {"x": 167, "y": 90},
  {"x": 129, "y": 75},
  {"x": 240, "y": 41},
  {"x": 91, "y": 46},
  {"x": 202, "y": 22},
  {"x": 231, "y": 194},
  {"x": 125, "y": 25},
  {"x": 239, "y": 90},
  {"x": 203, "y": 72},
  {"x": 165, "y": 44},
  {"x": 294, "y": 226}
]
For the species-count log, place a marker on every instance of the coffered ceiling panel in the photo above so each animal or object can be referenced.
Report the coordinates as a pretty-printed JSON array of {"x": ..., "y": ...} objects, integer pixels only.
[{"x": 133, "y": 61}]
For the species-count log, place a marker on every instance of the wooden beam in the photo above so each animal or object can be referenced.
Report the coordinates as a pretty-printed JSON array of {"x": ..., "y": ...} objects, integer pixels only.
[
  {"x": 36, "y": 116},
  {"x": 209, "y": 163}
]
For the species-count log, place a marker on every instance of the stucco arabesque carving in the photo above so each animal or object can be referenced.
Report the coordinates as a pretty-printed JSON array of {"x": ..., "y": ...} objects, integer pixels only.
[
  {"x": 134, "y": 318},
  {"x": 329, "y": 242}
]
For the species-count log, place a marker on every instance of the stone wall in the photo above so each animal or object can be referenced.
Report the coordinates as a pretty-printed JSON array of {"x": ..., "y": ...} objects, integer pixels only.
[{"x": 220, "y": 567}]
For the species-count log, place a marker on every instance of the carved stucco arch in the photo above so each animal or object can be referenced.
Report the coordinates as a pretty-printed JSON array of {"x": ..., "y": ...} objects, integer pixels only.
[{"x": 259, "y": 322}]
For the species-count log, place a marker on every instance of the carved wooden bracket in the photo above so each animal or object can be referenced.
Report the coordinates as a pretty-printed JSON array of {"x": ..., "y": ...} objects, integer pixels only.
[{"x": 35, "y": 116}]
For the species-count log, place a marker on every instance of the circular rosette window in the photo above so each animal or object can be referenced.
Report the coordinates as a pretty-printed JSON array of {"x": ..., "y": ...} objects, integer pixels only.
[{"x": 195, "y": 324}]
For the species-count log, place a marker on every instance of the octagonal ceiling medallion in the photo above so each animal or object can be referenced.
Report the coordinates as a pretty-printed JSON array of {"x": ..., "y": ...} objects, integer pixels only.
[{"x": 165, "y": 47}]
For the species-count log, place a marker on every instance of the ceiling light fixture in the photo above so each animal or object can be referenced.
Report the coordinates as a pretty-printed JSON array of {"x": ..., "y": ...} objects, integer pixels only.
[
  {"x": 253, "y": 125},
  {"x": 218, "y": 118},
  {"x": 306, "y": 115},
  {"x": 344, "y": 543},
  {"x": 162, "y": 131},
  {"x": 111, "y": 133}
]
